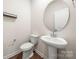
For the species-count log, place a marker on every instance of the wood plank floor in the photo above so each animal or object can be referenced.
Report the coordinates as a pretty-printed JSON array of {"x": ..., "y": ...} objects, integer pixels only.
[
  {"x": 19, "y": 56},
  {"x": 36, "y": 56}
]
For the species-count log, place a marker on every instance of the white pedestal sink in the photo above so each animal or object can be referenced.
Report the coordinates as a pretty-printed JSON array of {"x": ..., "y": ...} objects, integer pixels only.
[{"x": 53, "y": 43}]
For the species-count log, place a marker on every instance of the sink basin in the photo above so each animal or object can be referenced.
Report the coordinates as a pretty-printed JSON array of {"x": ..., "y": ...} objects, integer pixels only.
[{"x": 54, "y": 41}]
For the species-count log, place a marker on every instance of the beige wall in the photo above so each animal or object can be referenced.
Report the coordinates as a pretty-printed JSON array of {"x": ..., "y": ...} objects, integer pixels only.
[
  {"x": 19, "y": 28},
  {"x": 38, "y": 7},
  {"x": 69, "y": 33},
  {"x": 37, "y": 26}
]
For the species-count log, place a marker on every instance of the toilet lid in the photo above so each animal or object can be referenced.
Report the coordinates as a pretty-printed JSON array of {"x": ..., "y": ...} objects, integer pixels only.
[{"x": 26, "y": 46}]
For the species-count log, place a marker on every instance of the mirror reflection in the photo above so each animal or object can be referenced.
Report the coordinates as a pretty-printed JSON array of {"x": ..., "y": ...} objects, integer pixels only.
[{"x": 56, "y": 16}]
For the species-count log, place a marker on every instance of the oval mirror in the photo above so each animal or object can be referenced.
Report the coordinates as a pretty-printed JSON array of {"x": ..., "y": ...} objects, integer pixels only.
[{"x": 56, "y": 15}]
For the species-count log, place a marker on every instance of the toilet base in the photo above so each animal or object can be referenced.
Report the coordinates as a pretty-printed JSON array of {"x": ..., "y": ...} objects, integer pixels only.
[
  {"x": 27, "y": 54},
  {"x": 31, "y": 55}
]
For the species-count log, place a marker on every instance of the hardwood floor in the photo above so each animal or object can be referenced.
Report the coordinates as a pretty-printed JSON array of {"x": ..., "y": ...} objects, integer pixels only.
[
  {"x": 19, "y": 56},
  {"x": 36, "y": 56}
]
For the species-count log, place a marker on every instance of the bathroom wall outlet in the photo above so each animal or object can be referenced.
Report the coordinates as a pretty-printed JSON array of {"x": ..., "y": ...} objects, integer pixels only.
[{"x": 11, "y": 43}]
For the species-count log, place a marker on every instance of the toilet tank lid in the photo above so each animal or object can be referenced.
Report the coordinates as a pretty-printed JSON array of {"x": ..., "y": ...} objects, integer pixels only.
[{"x": 34, "y": 35}]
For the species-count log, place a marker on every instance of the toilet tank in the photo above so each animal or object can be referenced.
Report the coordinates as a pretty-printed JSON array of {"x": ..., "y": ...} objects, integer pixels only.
[{"x": 34, "y": 38}]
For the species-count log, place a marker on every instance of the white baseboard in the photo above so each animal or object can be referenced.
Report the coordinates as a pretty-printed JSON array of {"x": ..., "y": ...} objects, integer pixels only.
[
  {"x": 18, "y": 51},
  {"x": 12, "y": 54},
  {"x": 39, "y": 53}
]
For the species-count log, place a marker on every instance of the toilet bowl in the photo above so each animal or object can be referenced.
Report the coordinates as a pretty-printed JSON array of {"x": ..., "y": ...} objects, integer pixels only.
[{"x": 28, "y": 47}]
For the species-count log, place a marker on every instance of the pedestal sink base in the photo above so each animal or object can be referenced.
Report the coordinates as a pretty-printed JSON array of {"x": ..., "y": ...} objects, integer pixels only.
[
  {"x": 52, "y": 51},
  {"x": 53, "y": 44}
]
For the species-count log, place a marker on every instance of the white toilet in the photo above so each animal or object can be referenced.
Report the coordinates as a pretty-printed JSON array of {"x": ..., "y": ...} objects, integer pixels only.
[{"x": 27, "y": 47}]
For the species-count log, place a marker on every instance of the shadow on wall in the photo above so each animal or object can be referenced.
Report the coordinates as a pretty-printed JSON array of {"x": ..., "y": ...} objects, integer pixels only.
[{"x": 9, "y": 19}]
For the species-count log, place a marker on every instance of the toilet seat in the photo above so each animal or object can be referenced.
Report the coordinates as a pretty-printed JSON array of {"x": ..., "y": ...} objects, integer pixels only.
[{"x": 26, "y": 46}]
